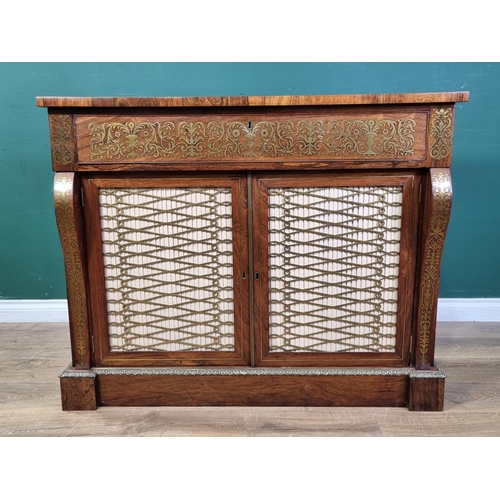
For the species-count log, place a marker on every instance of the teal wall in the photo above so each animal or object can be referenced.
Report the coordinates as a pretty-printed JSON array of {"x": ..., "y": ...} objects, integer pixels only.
[{"x": 30, "y": 257}]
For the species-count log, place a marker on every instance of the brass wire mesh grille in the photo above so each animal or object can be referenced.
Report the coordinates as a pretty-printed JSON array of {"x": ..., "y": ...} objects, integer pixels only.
[
  {"x": 333, "y": 268},
  {"x": 168, "y": 268}
]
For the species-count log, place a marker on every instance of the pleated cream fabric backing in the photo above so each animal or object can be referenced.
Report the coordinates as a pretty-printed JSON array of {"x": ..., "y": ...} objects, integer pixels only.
[
  {"x": 334, "y": 264},
  {"x": 168, "y": 268},
  {"x": 333, "y": 268}
]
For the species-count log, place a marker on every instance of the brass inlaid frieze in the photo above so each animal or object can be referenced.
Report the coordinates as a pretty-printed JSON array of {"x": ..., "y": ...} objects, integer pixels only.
[
  {"x": 61, "y": 139},
  {"x": 368, "y": 137},
  {"x": 441, "y": 208},
  {"x": 65, "y": 216},
  {"x": 441, "y": 133}
]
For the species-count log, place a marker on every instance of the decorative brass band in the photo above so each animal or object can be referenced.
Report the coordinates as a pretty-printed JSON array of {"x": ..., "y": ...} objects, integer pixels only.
[
  {"x": 427, "y": 374},
  {"x": 70, "y": 373},
  {"x": 306, "y": 372},
  {"x": 65, "y": 217},
  {"x": 61, "y": 139},
  {"x": 366, "y": 137},
  {"x": 440, "y": 214},
  {"x": 441, "y": 133},
  {"x": 245, "y": 371}
]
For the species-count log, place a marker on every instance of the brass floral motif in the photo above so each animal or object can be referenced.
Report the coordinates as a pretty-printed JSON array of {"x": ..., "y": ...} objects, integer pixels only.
[
  {"x": 441, "y": 208},
  {"x": 371, "y": 137},
  {"x": 441, "y": 133},
  {"x": 236, "y": 139},
  {"x": 65, "y": 216},
  {"x": 266, "y": 139},
  {"x": 61, "y": 139}
]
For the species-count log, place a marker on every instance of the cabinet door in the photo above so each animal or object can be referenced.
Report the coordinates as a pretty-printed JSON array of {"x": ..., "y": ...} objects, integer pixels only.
[
  {"x": 167, "y": 260},
  {"x": 334, "y": 260}
]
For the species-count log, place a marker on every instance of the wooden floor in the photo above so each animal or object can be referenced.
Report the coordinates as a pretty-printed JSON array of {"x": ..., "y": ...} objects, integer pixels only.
[{"x": 33, "y": 354}]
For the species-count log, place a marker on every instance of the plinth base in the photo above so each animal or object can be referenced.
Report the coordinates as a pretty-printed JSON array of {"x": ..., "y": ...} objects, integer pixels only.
[{"x": 377, "y": 387}]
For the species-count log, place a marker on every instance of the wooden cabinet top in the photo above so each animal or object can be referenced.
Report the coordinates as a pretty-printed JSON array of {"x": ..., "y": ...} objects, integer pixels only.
[
  {"x": 321, "y": 131},
  {"x": 304, "y": 100}
]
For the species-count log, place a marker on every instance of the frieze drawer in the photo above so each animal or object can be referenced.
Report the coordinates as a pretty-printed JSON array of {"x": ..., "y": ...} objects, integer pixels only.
[{"x": 188, "y": 139}]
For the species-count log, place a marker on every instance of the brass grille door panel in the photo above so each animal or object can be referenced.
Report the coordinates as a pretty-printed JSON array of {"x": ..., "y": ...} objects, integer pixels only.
[
  {"x": 168, "y": 267},
  {"x": 333, "y": 269}
]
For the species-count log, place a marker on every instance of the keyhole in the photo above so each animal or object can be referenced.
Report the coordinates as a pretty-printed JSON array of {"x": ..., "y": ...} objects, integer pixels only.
[{"x": 250, "y": 125}]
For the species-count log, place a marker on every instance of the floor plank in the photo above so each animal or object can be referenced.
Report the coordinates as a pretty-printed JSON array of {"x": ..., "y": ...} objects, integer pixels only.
[{"x": 33, "y": 354}]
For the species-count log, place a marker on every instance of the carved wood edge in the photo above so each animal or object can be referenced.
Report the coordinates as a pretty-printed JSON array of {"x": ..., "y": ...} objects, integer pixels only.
[
  {"x": 67, "y": 224},
  {"x": 440, "y": 209}
]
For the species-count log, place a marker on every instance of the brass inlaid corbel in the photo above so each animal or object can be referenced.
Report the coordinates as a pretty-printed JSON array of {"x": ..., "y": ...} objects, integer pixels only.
[
  {"x": 65, "y": 204},
  {"x": 441, "y": 133},
  {"x": 62, "y": 141},
  {"x": 439, "y": 208}
]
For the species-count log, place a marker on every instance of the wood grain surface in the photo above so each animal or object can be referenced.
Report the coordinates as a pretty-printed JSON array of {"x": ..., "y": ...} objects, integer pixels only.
[
  {"x": 33, "y": 354},
  {"x": 290, "y": 100}
]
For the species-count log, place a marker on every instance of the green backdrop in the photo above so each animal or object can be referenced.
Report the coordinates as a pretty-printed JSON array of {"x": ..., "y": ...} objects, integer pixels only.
[{"x": 31, "y": 264}]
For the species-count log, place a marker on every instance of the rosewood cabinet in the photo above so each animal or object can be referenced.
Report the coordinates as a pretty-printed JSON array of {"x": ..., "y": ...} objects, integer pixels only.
[{"x": 253, "y": 250}]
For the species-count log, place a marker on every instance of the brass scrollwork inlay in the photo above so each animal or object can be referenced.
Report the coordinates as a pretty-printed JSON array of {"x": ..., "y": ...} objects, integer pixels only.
[
  {"x": 63, "y": 203},
  {"x": 372, "y": 137},
  {"x": 61, "y": 139},
  {"x": 441, "y": 133},
  {"x": 265, "y": 139},
  {"x": 441, "y": 208}
]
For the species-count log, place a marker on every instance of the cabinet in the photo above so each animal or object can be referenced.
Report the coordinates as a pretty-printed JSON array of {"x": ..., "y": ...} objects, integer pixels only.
[{"x": 253, "y": 250}]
